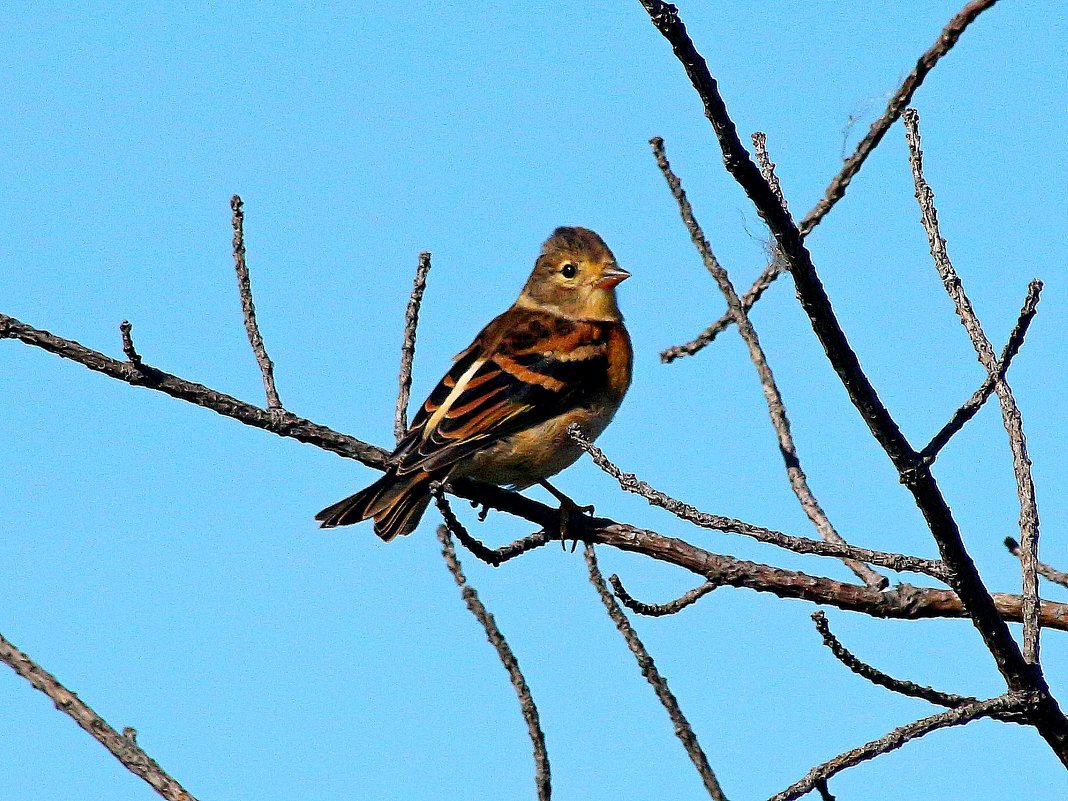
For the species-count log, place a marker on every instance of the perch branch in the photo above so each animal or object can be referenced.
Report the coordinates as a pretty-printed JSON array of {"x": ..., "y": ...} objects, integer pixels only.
[
  {"x": 123, "y": 748},
  {"x": 511, "y": 664},
  {"x": 970, "y": 407},
  {"x": 411, "y": 322},
  {"x": 836, "y": 190},
  {"x": 1016, "y": 702},
  {"x": 772, "y": 396},
  {"x": 248, "y": 309},
  {"x": 683, "y": 730},
  {"x": 1019, "y": 674},
  {"x": 1010, "y": 412},
  {"x": 901, "y": 602},
  {"x": 659, "y": 610}
]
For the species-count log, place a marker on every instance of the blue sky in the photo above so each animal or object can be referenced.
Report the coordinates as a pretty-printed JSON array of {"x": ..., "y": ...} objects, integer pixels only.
[{"x": 162, "y": 561}]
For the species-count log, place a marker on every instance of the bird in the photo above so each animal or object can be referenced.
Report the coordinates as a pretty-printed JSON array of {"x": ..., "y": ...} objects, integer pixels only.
[{"x": 559, "y": 356}]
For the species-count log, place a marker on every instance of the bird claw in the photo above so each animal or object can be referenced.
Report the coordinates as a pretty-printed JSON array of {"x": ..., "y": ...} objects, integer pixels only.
[{"x": 567, "y": 508}]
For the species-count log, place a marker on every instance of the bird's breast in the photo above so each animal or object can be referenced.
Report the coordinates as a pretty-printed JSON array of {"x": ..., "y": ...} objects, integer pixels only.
[{"x": 526, "y": 457}]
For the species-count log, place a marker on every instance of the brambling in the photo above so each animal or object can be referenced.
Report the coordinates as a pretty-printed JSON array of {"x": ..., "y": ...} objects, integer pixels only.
[{"x": 559, "y": 356}]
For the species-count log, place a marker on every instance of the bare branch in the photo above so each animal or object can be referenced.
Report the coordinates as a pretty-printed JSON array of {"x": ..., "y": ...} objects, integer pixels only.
[
  {"x": 1010, "y": 412},
  {"x": 970, "y": 407},
  {"x": 631, "y": 483},
  {"x": 836, "y": 190},
  {"x": 659, "y": 610},
  {"x": 411, "y": 322},
  {"x": 1018, "y": 672},
  {"x": 683, "y": 730},
  {"x": 1044, "y": 570},
  {"x": 901, "y": 686},
  {"x": 248, "y": 309},
  {"x": 123, "y": 748},
  {"x": 494, "y": 557},
  {"x": 283, "y": 424},
  {"x": 776, "y": 408},
  {"x": 125, "y": 330},
  {"x": 822, "y": 789},
  {"x": 902, "y": 602},
  {"x": 1016, "y": 702},
  {"x": 497, "y": 640}
]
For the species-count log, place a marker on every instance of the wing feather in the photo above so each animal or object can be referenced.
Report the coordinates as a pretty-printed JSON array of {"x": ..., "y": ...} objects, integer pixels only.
[{"x": 523, "y": 369}]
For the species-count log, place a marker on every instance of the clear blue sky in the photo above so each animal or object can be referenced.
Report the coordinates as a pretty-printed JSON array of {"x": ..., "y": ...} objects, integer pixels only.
[{"x": 162, "y": 561}]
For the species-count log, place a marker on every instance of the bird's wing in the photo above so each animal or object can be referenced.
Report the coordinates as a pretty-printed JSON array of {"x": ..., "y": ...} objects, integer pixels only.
[{"x": 524, "y": 368}]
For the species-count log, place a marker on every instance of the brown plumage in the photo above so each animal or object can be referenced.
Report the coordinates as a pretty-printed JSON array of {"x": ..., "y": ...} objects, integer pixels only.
[{"x": 559, "y": 355}]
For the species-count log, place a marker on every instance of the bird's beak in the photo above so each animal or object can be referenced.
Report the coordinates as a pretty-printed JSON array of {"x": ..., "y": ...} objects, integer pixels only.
[{"x": 612, "y": 276}]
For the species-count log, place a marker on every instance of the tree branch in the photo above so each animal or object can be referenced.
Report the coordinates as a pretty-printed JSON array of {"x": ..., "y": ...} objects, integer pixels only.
[
  {"x": 511, "y": 664},
  {"x": 494, "y": 557},
  {"x": 1010, "y": 412},
  {"x": 971, "y": 406},
  {"x": 126, "y": 332},
  {"x": 1050, "y": 573},
  {"x": 683, "y": 730},
  {"x": 282, "y": 423},
  {"x": 248, "y": 309},
  {"x": 1016, "y": 702},
  {"x": 123, "y": 748},
  {"x": 631, "y": 483},
  {"x": 776, "y": 408},
  {"x": 411, "y": 322},
  {"x": 836, "y": 190},
  {"x": 900, "y": 686},
  {"x": 1019, "y": 674},
  {"x": 659, "y": 610},
  {"x": 902, "y": 602}
]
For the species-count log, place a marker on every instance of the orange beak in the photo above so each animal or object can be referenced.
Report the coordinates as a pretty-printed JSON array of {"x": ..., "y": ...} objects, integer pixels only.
[{"x": 612, "y": 276}]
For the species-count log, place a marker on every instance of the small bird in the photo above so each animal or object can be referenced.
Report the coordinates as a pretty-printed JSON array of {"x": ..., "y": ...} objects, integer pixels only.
[{"x": 559, "y": 356}]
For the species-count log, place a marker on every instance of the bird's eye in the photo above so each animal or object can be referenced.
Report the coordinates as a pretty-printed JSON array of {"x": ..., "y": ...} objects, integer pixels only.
[{"x": 569, "y": 270}]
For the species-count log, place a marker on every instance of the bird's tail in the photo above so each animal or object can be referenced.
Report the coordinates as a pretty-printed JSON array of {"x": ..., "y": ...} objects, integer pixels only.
[{"x": 396, "y": 502}]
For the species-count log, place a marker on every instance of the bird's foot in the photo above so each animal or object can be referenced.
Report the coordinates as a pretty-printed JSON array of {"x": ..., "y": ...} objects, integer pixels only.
[{"x": 567, "y": 508}]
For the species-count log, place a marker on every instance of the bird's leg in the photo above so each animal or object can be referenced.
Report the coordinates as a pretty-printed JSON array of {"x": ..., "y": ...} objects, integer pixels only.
[{"x": 567, "y": 506}]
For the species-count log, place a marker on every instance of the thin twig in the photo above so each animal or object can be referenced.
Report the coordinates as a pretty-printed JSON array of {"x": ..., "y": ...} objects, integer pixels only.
[
  {"x": 1018, "y": 672},
  {"x": 1044, "y": 570},
  {"x": 1017, "y": 702},
  {"x": 1010, "y": 412},
  {"x": 494, "y": 557},
  {"x": 631, "y": 483},
  {"x": 125, "y": 331},
  {"x": 124, "y": 749},
  {"x": 497, "y": 640},
  {"x": 824, "y": 791},
  {"x": 836, "y": 190},
  {"x": 683, "y": 730},
  {"x": 659, "y": 610},
  {"x": 248, "y": 309},
  {"x": 903, "y": 602},
  {"x": 772, "y": 396},
  {"x": 901, "y": 686},
  {"x": 411, "y": 323},
  {"x": 971, "y": 406}
]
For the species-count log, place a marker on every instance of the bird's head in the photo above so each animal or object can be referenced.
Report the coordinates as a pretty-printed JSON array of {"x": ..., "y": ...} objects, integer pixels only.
[{"x": 575, "y": 276}]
